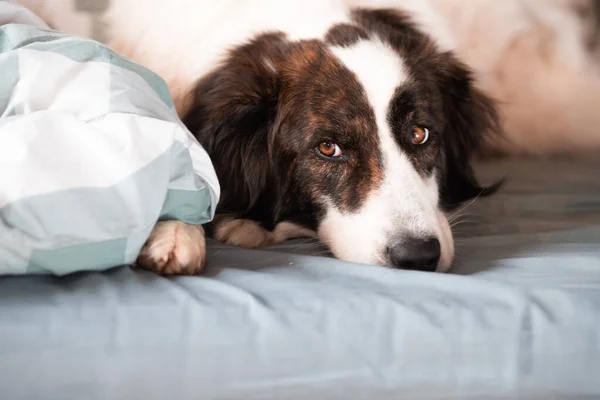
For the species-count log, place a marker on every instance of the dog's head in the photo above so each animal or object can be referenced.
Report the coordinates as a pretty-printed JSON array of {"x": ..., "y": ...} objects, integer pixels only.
[{"x": 364, "y": 135}]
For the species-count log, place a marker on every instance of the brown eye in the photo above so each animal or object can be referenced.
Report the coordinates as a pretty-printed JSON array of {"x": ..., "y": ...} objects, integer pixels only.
[
  {"x": 419, "y": 135},
  {"x": 329, "y": 149}
]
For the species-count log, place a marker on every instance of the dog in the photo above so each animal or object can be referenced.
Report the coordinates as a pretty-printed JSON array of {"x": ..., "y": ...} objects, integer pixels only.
[{"x": 355, "y": 122}]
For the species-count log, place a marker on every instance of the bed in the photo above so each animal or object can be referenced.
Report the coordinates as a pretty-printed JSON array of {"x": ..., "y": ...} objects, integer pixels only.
[{"x": 519, "y": 317}]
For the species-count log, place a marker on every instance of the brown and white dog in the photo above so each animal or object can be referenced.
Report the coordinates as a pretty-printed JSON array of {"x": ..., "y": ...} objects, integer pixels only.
[{"x": 356, "y": 125}]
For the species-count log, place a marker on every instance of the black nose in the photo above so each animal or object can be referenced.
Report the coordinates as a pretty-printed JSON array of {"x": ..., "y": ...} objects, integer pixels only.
[{"x": 415, "y": 254}]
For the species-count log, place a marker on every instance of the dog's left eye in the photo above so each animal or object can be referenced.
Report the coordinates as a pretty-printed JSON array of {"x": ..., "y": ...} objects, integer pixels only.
[
  {"x": 419, "y": 135},
  {"x": 329, "y": 149}
]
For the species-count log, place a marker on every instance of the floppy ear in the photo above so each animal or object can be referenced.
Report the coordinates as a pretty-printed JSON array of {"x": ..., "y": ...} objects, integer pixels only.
[
  {"x": 470, "y": 116},
  {"x": 231, "y": 113}
]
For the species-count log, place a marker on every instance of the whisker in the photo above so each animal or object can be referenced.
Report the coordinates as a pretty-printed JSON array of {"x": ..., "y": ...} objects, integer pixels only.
[
  {"x": 467, "y": 205},
  {"x": 454, "y": 217},
  {"x": 466, "y": 221}
]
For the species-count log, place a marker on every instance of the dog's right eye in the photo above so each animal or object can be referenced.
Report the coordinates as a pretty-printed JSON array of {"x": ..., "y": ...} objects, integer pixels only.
[
  {"x": 419, "y": 135},
  {"x": 329, "y": 149}
]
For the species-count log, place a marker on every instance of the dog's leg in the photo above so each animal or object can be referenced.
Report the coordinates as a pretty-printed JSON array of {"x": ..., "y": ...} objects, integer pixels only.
[
  {"x": 174, "y": 248},
  {"x": 251, "y": 235}
]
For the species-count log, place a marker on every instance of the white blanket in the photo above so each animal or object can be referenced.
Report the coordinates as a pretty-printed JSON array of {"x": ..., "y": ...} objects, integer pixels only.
[{"x": 92, "y": 153}]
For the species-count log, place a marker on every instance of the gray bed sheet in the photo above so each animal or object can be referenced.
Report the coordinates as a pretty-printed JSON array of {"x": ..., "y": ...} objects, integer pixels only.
[{"x": 519, "y": 317}]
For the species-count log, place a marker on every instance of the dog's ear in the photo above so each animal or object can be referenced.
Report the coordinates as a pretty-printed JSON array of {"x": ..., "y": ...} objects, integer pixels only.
[
  {"x": 231, "y": 113},
  {"x": 470, "y": 117}
]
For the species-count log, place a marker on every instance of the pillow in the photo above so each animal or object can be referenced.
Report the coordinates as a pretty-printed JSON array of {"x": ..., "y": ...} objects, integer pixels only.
[{"x": 92, "y": 154}]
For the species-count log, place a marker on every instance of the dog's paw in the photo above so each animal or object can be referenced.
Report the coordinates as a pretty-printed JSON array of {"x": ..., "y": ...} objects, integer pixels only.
[
  {"x": 241, "y": 232},
  {"x": 251, "y": 235},
  {"x": 174, "y": 248}
]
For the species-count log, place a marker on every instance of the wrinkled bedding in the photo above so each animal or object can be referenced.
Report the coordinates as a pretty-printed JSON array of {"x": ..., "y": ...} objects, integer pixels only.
[
  {"x": 519, "y": 317},
  {"x": 92, "y": 153}
]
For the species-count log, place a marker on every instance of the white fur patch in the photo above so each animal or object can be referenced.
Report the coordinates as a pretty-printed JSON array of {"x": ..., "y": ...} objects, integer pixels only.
[{"x": 405, "y": 205}]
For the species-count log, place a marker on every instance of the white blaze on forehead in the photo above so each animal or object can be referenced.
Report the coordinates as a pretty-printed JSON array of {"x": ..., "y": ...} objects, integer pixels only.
[
  {"x": 378, "y": 68},
  {"x": 380, "y": 71},
  {"x": 404, "y": 204}
]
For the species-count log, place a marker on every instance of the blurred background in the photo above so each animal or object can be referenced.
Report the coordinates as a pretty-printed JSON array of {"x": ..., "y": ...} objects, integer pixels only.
[{"x": 78, "y": 17}]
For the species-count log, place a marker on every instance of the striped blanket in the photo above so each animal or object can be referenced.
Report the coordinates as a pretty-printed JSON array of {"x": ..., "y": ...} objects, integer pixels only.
[{"x": 92, "y": 153}]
